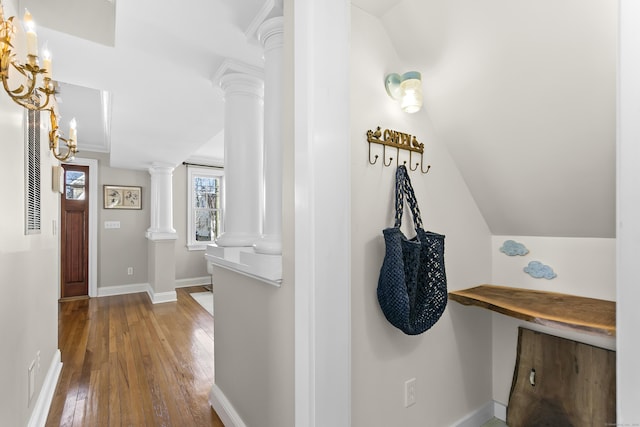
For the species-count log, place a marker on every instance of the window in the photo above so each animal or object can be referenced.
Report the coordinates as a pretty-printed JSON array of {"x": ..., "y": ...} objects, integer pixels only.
[
  {"x": 32, "y": 170},
  {"x": 74, "y": 185},
  {"x": 205, "y": 206}
]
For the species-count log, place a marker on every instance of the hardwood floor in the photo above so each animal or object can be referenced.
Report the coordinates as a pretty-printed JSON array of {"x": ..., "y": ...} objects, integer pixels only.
[{"x": 127, "y": 362}]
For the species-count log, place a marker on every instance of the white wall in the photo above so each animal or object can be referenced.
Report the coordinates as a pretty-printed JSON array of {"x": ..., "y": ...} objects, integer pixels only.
[
  {"x": 628, "y": 214},
  {"x": 28, "y": 270},
  {"x": 119, "y": 249},
  {"x": 452, "y": 361},
  {"x": 584, "y": 267}
]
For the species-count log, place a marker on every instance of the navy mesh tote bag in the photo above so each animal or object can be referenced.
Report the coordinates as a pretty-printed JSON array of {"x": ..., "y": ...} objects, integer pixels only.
[{"x": 412, "y": 287}]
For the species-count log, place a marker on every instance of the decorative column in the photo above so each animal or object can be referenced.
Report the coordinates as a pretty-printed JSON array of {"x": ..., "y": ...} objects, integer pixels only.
[
  {"x": 243, "y": 122},
  {"x": 270, "y": 34},
  {"x": 161, "y": 265},
  {"x": 161, "y": 203}
]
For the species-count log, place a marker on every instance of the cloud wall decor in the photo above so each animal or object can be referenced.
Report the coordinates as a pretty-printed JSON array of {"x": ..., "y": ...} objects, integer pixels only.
[
  {"x": 513, "y": 248},
  {"x": 539, "y": 270}
]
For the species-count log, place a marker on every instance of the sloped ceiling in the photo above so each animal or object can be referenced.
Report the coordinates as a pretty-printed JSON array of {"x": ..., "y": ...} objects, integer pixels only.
[{"x": 523, "y": 93}]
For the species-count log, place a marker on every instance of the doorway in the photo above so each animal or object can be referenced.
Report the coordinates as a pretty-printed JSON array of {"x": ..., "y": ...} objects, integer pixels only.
[{"x": 74, "y": 232}]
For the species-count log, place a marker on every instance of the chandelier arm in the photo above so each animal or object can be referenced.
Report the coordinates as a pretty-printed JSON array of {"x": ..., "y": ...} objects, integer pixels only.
[
  {"x": 70, "y": 153},
  {"x": 55, "y": 138},
  {"x": 23, "y": 95}
]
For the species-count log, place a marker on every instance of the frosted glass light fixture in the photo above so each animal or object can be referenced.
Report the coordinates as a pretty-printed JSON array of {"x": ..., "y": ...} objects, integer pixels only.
[{"x": 407, "y": 89}]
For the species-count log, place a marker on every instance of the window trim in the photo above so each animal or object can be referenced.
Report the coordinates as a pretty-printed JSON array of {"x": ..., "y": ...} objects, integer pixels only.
[{"x": 192, "y": 172}]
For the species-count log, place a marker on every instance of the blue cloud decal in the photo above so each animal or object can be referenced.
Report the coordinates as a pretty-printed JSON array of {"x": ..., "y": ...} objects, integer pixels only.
[
  {"x": 539, "y": 270},
  {"x": 513, "y": 248}
]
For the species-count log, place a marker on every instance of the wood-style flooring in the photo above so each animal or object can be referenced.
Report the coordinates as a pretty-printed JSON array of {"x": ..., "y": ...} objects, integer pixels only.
[{"x": 127, "y": 362}]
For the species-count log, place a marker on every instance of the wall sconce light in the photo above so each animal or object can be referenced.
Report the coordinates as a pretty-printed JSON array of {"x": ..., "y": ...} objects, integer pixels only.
[
  {"x": 55, "y": 138},
  {"x": 27, "y": 94},
  {"x": 407, "y": 89}
]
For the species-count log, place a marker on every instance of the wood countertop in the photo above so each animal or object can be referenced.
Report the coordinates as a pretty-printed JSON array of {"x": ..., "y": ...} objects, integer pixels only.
[{"x": 581, "y": 314}]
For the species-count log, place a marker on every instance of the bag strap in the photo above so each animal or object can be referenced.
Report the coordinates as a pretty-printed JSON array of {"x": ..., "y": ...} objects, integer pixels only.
[
  {"x": 404, "y": 187},
  {"x": 399, "y": 195}
]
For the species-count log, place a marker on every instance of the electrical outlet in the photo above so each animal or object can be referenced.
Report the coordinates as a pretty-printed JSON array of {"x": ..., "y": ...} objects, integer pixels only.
[
  {"x": 38, "y": 361},
  {"x": 409, "y": 392},
  {"x": 130, "y": 271}
]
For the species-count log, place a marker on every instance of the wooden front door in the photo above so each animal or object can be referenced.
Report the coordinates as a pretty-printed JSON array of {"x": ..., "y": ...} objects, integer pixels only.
[{"x": 74, "y": 232}]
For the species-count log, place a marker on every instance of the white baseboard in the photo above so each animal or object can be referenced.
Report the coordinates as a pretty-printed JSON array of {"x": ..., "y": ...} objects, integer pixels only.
[
  {"x": 194, "y": 281},
  {"x": 134, "y": 288},
  {"x": 155, "y": 297},
  {"x": 482, "y": 415},
  {"x": 224, "y": 409},
  {"x": 500, "y": 411},
  {"x": 41, "y": 408},
  {"x": 160, "y": 297}
]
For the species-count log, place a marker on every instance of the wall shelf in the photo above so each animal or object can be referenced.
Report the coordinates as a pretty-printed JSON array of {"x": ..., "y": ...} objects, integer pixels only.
[{"x": 565, "y": 311}]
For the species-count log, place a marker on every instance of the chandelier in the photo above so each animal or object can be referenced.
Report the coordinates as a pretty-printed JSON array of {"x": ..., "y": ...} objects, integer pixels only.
[
  {"x": 35, "y": 89},
  {"x": 34, "y": 86}
]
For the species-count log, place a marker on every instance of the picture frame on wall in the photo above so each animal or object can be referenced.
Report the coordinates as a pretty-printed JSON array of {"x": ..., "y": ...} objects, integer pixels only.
[{"x": 122, "y": 197}]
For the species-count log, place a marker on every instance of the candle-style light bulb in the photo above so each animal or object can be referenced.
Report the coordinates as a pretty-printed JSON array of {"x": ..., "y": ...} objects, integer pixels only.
[
  {"x": 46, "y": 60},
  {"x": 3, "y": 34},
  {"x": 32, "y": 38},
  {"x": 73, "y": 133}
]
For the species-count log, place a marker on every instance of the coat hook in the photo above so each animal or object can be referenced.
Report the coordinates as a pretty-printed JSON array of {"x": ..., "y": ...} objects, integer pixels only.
[
  {"x": 375, "y": 159},
  {"x": 410, "y": 158},
  {"x": 422, "y": 163},
  {"x": 384, "y": 156},
  {"x": 397, "y": 140}
]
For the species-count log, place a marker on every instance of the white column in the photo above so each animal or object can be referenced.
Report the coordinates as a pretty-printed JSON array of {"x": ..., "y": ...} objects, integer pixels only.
[
  {"x": 322, "y": 212},
  {"x": 161, "y": 236},
  {"x": 628, "y": 214},
  {"x": 243, "y": 124},
  {"x": 161, "y": 203},
  {"x": 270, "y": 34}
]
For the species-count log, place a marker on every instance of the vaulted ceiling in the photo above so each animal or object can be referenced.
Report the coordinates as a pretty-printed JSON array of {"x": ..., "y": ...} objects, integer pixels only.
[{"x": 522, "y": 93}]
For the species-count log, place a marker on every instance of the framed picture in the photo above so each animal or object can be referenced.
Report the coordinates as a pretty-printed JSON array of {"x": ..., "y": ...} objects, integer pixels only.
[{"x": 120, "y": 197}]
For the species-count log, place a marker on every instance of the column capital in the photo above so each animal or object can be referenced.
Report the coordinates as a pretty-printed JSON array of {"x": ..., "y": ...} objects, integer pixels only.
[
  {"x": 242, "y": 84},
  {"x": 160, "y": 169},
  {"x": 270, "y": 33}
]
